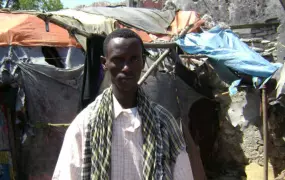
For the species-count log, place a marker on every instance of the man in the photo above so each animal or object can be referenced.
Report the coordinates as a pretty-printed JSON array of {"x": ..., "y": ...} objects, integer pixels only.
[{"x": 122, "y": 134}]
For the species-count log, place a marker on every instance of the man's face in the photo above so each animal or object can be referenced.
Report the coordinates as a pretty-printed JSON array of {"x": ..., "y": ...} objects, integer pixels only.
[{"x": 125, "y": 62}]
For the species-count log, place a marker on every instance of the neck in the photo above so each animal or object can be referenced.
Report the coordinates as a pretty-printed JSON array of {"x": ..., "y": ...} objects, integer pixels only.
[{"x": 126, "y": 99}]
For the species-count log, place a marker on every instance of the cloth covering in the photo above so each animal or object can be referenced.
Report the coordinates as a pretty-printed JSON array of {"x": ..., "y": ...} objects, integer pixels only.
[{"x": 140, "y": 18}]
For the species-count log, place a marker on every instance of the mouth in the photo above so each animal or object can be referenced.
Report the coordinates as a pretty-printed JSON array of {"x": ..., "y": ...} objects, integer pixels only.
[
  {"x": 127, "y": 77},
  {"x": 126, "y": 80}
]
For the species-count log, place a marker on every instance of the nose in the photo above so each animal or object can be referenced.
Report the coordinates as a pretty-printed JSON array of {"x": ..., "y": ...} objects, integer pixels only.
[{"x": 126, "y": 67}]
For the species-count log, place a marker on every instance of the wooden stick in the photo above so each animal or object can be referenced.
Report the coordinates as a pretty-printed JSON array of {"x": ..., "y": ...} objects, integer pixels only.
[
  {"x": 265, "y": 132},
  {"x": 185, "y": 31},
  {"x": 164, "y": 54},
  {"x": 67, "y": 27},
  {"x": 222, "y": 94}
]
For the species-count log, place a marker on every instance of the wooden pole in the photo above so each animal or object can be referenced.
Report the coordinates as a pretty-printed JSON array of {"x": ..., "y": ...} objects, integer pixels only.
[
  {"x": 265, "y": 132},
  {"x": 69, "y": 28},
  {"x": 183, "y": 33},
  {"x": 164, "y": 54}
]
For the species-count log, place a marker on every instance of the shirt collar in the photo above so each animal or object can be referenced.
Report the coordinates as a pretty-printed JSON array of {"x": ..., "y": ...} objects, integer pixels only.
[{"x": 118, "y": 108}]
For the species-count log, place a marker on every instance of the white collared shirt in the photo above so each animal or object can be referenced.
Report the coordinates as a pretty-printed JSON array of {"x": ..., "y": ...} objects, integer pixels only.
[{"x": 126, "y": 149}]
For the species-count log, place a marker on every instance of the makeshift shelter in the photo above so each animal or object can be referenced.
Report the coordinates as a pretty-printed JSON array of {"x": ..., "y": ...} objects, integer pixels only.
[
  {"x": 49, "y": 85},
  {"x": 184, "y": 79},
  {"x": 41, "y": 74},
  {"x": 157, "y": 29}
]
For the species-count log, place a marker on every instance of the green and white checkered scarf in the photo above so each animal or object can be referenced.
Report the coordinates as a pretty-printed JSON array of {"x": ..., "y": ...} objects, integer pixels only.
[{"x": 162, "y": 140}]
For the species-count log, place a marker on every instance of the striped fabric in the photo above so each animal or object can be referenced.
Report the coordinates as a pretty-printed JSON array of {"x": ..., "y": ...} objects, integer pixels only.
[{"x": 162, "y": 139}]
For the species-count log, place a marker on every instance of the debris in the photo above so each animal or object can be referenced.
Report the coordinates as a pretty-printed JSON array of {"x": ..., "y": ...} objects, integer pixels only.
[
  {"x": 257, "y": 49},
  {"x": 265, "y": 53},
  {"x": 258, "y": 40},
  {"x": 270, "y": 50},
  {"x": 255, "y": 172},
  {"x": 272, "y": 44},
  {"x": 265, "y": 42},
  {"x": 281, "y": 176},
  {"x": 209, "y": 22}
]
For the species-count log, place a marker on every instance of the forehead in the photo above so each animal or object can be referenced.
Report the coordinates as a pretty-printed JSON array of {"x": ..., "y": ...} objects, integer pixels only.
[{"x": 123, "y": 45}]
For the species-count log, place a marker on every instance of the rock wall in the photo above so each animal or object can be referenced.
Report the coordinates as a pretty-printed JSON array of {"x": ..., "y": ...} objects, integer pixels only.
[
  {"x": 239, "y": 147},
  {"x": 262, "y": 38},
  {"x": 235, "y": 12}
]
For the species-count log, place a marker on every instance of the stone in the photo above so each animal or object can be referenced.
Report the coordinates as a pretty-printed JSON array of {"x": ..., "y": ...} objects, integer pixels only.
[
  {"x": 281, "y": 176},
  {"x": 255, "y": 172},
  {"x": 246, "y": 36},
  {"x": 270, "y": 50},
  {"x": 271, "y": 32},
  {"x": 281, "y": 42},
  {"x": 265, "y": 41},
  {"x": 256, "y": 30},
  {"x": 272, "y": 44},
  {"x": 255, "y": 40},
  {"x": 261, "y": 34},
  {"x": 246, "y": 40},
  {"x": 235, "y": 12},
  {"x": 260, "y": 149},
  {"x": 265, "y": 53},
  {"x": 242, "y": 31},
  {"x": 257, "y": 49},
  {"x": 274, "y": 53}
]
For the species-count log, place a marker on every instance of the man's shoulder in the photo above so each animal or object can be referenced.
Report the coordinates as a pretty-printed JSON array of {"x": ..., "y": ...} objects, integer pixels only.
[
  {"x": 168, "y": 123},
  {"x": 88, "y": 112},
  {"x": 162, "y": 112},
  {"x": 93, "y": 105}
]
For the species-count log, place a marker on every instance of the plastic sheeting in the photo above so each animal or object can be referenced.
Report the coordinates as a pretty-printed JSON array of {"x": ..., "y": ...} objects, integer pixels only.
[
  {"x": 29, "y": 30},
  {"x": 227, "y": 52},
  {"x": 70, "y": 57},
  {"x": 149, "y": 20},
  {"x": 51, "y": 96},
  {"x": 4, "y": 139}
]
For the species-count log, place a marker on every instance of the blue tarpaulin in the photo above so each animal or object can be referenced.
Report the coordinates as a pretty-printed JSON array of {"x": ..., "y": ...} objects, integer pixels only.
[{"x": 226, "y": 51}]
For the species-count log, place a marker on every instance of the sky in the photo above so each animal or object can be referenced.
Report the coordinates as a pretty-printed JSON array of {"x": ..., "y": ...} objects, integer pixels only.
[{"x": 74, "y": 3}]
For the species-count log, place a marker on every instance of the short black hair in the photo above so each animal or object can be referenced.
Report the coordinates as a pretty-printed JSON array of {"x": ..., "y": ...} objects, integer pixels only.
[{"x": 121, "y": 33}]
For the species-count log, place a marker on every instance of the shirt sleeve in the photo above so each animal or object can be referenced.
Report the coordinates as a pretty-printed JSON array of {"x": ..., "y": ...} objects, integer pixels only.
[
  {"x": 69, "y": 163},
  {"x": 182, "y": 168}
]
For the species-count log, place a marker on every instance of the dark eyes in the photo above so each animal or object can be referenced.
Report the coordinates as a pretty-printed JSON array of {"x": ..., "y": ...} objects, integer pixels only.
[
  {"x": 119, "y": 60},
  {"x": 134, "y": 59}
]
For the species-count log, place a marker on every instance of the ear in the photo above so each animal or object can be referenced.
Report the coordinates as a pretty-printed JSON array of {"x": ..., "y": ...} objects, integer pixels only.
[{"x": 103, "y": 62}]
